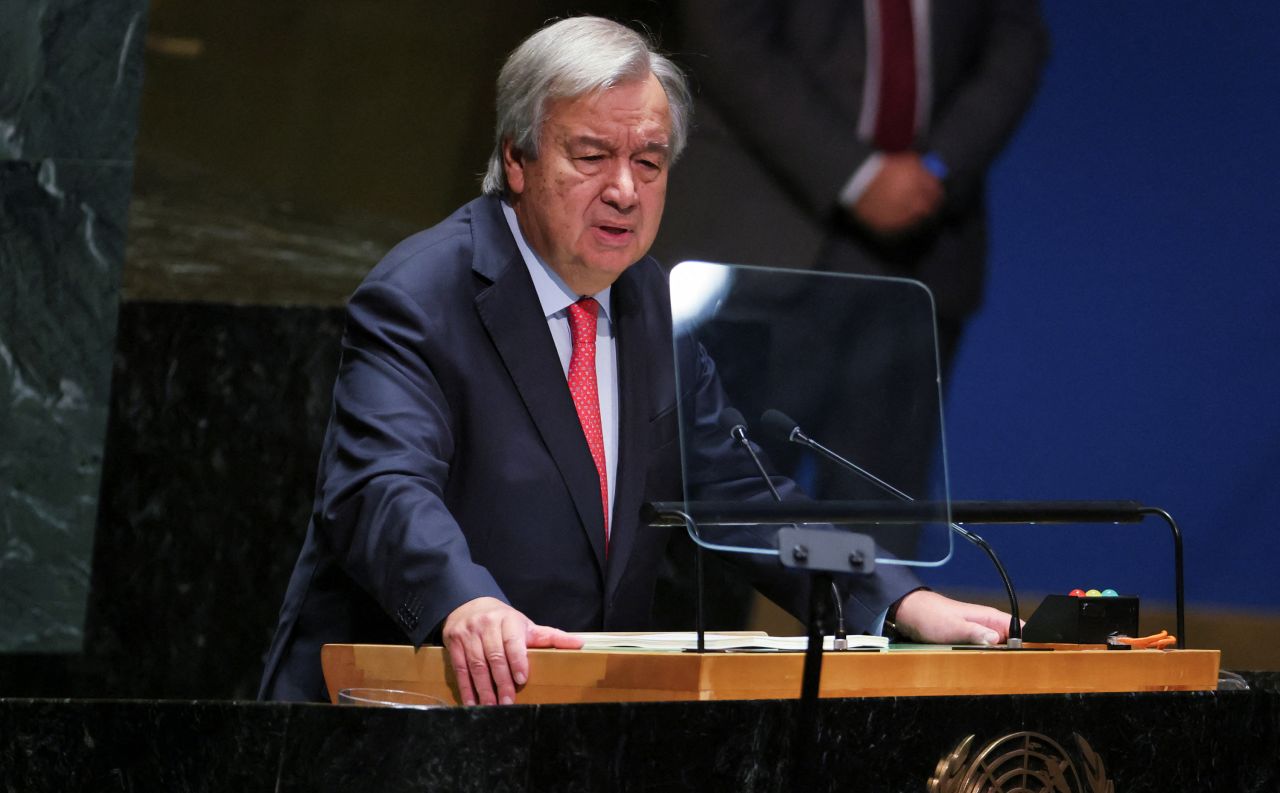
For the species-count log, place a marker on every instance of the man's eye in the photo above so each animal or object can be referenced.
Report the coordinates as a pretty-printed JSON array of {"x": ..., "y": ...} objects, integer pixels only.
[{"x": 591, "y": 157}]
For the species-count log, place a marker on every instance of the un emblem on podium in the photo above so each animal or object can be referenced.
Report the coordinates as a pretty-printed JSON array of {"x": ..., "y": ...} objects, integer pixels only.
[{"x": 1025, "y": 762}]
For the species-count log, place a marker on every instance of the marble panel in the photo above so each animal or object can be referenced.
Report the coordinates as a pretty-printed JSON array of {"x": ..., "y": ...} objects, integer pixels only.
[
  {"x": 345, "y": 749},
  {"x": 61, "y": 247},
  {"x": 1206, "y": 742},
  {"x": 72, "y": 70},
  {"x": 1211, "y": 742},
  {"x": 217, "y": 418},
  {"x": 145, "y": 746},
  {"x": 662, "y": 746},
  {"x": 217, "y": 414}
]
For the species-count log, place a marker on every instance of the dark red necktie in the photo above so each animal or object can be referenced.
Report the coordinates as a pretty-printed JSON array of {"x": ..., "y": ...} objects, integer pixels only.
[
  {"x": 896, "y": 111},
  {"x": 586, "y": 395}
]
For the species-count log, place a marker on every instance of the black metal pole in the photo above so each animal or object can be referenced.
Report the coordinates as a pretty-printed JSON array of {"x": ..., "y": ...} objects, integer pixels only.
[
  {"x": 698, "y": 615},
  {"x": 675, "y": 513},
  {"x": 804, "y": 755},
  {"x": 1177, "y": 564},
  {"x": 820, "y": 587}
]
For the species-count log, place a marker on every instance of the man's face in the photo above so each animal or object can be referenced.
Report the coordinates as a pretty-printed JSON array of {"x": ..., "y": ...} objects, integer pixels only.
[{"x": 591, "y": 202}]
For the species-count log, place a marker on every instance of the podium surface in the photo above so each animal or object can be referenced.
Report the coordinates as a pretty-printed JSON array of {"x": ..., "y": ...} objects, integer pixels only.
[{"x": 573, "y": 676}]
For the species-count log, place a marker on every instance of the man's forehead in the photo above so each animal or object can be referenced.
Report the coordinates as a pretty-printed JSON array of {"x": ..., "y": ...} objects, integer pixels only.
[
  {"x": 655, "y": 139},
  {"x": 640, "y": 105}
]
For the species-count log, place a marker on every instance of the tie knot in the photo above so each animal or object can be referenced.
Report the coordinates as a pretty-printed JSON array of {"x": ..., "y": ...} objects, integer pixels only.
[{"x": 583, "y": 313}]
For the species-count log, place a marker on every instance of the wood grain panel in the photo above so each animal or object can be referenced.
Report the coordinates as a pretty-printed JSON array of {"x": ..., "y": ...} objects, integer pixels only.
[{"x": 566, "y": 676}]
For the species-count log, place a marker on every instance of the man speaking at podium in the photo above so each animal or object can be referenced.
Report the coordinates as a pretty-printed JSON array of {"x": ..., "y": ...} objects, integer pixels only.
[{"x": 506, "y": 401}]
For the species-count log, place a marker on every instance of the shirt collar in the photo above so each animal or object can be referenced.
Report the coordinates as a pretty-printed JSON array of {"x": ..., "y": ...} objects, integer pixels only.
[{"x": 553, "y": 293}]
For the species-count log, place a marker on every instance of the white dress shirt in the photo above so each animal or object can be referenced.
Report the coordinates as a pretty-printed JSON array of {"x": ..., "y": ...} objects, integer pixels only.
[{"x": 555, "y": 296}]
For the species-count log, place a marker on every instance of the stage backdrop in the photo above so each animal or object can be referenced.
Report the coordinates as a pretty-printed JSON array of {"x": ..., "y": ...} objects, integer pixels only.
[{"x": 1130, "y": 342}]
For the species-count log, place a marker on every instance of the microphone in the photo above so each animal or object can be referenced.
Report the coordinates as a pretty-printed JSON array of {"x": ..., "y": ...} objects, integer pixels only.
[
  {"x": 739, "y": 434},
  {"x": 783, "y": 426},
  {"x": 738, "y": 431}
]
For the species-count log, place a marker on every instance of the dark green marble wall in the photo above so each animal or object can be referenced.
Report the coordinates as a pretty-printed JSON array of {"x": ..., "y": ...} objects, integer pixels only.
[{"x": 70, "y": 75}]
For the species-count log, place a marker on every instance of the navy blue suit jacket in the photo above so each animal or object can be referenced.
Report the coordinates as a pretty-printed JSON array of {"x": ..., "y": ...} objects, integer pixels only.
[{"x": 454, "y": 466}]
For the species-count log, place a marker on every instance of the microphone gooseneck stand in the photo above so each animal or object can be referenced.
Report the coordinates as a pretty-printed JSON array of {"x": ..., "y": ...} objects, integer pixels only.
[
  {"x": 739, "y": 434},
  {"x": 804, "y": 762},
  {"x": 1007, "y": 512},
  {"x": 784, "y": 427}
]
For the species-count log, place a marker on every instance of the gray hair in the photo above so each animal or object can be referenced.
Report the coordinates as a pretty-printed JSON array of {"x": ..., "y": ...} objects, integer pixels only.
[{"x": 571, "y": 58}]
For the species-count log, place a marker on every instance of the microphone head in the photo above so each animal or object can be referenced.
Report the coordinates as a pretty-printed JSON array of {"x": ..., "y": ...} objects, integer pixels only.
[
  {"x": 779, "y": 424},
  {"x": 731, "y": 418}
]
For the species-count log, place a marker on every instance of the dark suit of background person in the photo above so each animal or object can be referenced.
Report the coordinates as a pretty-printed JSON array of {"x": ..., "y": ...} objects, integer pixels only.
[
  {"x": 780, "y": 86},
  {"x": 455, "y": 466}
]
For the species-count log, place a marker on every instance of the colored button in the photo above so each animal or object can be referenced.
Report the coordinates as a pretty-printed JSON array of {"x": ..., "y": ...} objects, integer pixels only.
[
  {"x": 1093, "y": 593},
  {"x": 1110, "y": 593},
  {"x": 1076, "y": 593}
]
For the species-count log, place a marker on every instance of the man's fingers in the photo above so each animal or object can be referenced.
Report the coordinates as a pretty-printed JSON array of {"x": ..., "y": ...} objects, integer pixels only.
[
  {"x": 986, "y": 617},
  {"x": 488, "y": 641},
  {"x": 514, "y": 636},
  {"x": 476, "y": 634},
  {"x": 978, "y": 624},
  {"x": 930, "y": 617},
  {"x": 478, "y": 668},
  {"x": 994, "y": 619},
  {"x": 462, "y": 672},
  {"x": 980, "y": 634},
  {"x": 563, "y": 641},
  {"x": 494, "y": 642},
  {"x": 544, "y": 636}
]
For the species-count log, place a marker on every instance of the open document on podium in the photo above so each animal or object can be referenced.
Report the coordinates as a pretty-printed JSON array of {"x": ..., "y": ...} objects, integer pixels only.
[{"x": 732, "y": 640}]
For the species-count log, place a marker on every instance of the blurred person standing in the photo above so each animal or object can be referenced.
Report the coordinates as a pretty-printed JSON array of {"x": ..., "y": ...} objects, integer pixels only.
[{"x": 852, "y": 137}]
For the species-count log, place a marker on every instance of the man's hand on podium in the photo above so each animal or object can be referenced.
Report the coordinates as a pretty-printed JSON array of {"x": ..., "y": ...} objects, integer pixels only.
[
  {"x": 487, "y": 639},
  {"x": 928, "y": 617}
]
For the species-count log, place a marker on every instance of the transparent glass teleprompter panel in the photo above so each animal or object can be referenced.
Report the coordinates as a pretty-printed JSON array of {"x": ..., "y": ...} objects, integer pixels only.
[{"x": 852, "y": 363}]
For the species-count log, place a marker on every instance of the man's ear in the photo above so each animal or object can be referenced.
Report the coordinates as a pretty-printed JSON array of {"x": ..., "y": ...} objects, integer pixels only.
[{"x": 513, "y": 163}]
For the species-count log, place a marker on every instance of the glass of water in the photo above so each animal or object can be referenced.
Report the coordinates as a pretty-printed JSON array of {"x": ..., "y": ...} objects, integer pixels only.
[{"x": 389, "y": 698}]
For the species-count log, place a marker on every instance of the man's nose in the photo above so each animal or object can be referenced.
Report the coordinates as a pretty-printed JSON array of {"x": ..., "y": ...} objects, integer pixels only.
[{"x": 620, "y": 193}]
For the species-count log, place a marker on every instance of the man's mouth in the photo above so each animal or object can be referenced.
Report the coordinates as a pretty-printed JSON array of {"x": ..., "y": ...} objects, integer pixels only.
[{"x": 615, "y": 231}]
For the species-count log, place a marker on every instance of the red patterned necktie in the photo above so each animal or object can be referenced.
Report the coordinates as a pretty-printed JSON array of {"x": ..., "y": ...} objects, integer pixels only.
[
  {"x": 896, "y": 112},
  {"x": 586, "y": 395}
]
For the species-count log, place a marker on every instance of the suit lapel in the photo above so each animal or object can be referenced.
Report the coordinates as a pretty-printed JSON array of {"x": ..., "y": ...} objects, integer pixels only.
[
  {"x": 510, "y": 312},
  {"x": 633, "y": 378}
]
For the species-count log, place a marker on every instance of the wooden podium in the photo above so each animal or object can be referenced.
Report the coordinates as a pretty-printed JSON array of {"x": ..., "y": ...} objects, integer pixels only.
[{"x": 571, "y": 676}]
